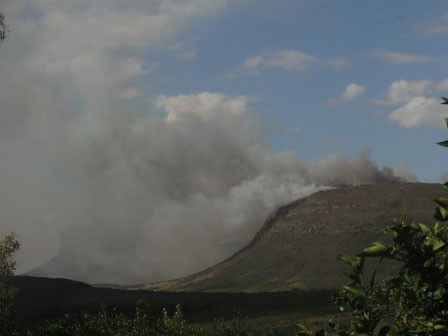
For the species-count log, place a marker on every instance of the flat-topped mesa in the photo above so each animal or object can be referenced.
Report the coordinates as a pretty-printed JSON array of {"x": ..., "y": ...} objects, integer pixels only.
[
  {"x": 97, "y": 254},
  {"x": 298, "y": 245},
  {"x": 358, "y": 208}
]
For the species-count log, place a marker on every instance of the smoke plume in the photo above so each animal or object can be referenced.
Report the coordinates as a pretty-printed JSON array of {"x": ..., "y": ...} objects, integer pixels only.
[
  {"x": 176, "y": 186},
  {"x": 147, "y": 191}
]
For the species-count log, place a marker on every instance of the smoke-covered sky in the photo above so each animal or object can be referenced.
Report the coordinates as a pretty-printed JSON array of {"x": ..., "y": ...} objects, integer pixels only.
[{"x": 184, "y": 123}]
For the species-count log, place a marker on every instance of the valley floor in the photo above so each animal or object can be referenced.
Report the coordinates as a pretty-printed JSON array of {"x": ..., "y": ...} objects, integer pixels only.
[{"x": 40, "y": 299}]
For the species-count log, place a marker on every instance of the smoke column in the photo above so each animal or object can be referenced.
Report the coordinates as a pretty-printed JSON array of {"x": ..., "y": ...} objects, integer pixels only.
[
  {"x": 177, "y": 185},
  {"x": 150, "y": 188}
]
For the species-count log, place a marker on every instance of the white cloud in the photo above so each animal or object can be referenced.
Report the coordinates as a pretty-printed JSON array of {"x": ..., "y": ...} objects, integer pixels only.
[
  {"x": 188, "y": 55},
  {"x": 230, "y": 75},
  {"x": 182, "y": 51},
  {"x": 351, "y": 92},
  {"x": 296, "y": 130},
  {"x": 400, "y": 58},
  {"x": 287, "y": 59},
  {"x": 402, "y": 91},
  {"x": 437, "y": 26},
  {"x": 413, "y": 107},
  {"x": 203, "y": 106},
  {"x": 99, "y": 43},
  {"x": 339, "y": 62},
  {"x": 420, "y": 111},
  {"x": 253, "y": 63},
  {"x": 284, "y": 59},
  {"x": 290, "y": 60}
]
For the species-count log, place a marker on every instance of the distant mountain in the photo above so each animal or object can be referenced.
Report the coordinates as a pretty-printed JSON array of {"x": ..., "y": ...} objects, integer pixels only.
[
  {"x": 297, "y": 246},
  {"x": 97, "y": 254}
]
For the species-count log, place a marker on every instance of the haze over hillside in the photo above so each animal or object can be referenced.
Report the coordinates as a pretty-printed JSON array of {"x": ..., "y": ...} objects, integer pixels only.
[
  {"x": 182, "y": 130},
  {"x": 297, "y": 247},
  {"x": 178, "y": 224}
]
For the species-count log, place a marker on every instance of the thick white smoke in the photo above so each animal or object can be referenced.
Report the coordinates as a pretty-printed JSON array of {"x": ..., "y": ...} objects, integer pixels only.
[
  {"x": 156, "y": 187},
  {"x": 177, "y": 185}
]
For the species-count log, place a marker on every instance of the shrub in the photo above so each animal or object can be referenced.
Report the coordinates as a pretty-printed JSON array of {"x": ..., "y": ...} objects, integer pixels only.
[
  {"x": 111, "y": 323},
  {"x": 8, "y": 316},
  {"x": 413, "y": 301}
]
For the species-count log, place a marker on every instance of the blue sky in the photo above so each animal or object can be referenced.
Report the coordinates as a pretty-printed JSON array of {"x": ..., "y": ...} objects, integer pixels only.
[
  {"x": 376, "y": 44},
  {"x": 184, "y": 123}
]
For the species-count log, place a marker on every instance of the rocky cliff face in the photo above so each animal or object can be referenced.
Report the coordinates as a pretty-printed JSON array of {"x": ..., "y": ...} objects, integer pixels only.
[{"x": 297, "y": 246}]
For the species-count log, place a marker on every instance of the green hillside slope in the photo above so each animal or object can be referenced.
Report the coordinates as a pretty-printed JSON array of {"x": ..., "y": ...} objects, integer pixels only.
[{"x": 297, "y": 246}]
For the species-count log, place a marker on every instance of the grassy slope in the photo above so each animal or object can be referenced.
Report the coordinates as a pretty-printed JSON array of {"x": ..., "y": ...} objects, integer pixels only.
[{"x": 298, "y": 245}]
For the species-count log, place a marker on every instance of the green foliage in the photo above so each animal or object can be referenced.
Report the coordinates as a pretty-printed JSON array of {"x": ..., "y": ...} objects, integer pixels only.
[
  {"x": 413, "y": 301},
  {"x": 8, "y": 315},
  {"x": 112, "y": 323},
  {"x": 442, "y": 209},
  {"x": 106, "y": 322},
  {"x": 8, "y": 246},
  {"x": 237, "y": 327},
  {"x": 175, "y": 325}
]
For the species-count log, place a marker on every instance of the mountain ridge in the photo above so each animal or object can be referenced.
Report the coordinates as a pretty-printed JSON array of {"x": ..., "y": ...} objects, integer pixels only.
[{"x": 298, "y": 244}]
